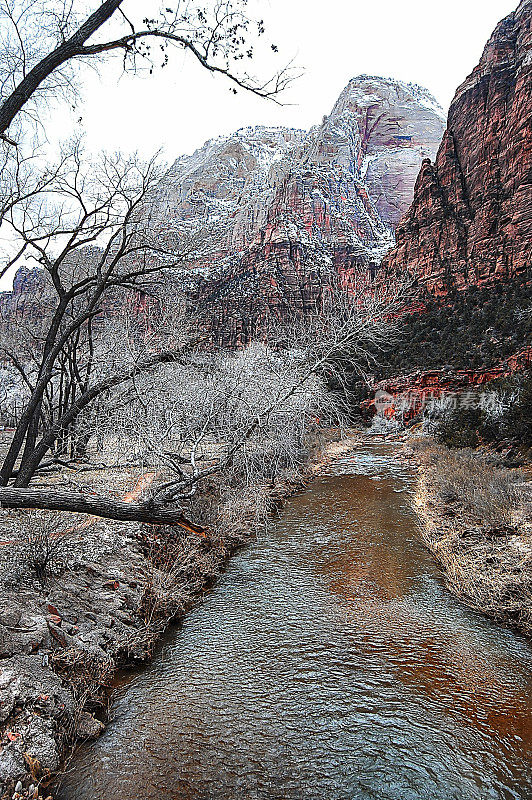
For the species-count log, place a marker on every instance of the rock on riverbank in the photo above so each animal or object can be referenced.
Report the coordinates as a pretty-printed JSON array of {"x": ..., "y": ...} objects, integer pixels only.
[{"x": 61, "y": 641}]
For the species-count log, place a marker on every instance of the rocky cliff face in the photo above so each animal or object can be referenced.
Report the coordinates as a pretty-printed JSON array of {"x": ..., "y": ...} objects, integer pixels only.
[
  {"x": 349, "y": 179},
  {"x": 331, "y": 200},
  {"x": 29, "y": 300},
  {"x": 352, "y": 178},
  {"x": 229, "y": 181},
  {"x": 471, "y": 219},
  {"x": 407, "y": 396}
]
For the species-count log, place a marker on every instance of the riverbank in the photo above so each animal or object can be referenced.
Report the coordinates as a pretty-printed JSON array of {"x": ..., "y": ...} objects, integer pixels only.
[
  {"x": 476, "y": 518},
  {"x": 62, "y": 642},
  {"x": 63, "y": 639}
]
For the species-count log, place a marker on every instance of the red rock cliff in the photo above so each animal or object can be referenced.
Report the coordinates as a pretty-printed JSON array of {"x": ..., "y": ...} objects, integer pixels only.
[{"x": 471, "y": 218}]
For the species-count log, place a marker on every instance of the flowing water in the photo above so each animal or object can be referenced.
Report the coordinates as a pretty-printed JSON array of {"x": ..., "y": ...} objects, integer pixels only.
[{"x": 329, "y": 663}]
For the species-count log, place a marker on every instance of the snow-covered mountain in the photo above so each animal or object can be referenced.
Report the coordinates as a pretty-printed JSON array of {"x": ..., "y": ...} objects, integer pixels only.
[
  {"x": 352, "y": 178},
  {"x": 349, "y": 179},
  {"x": 328, "y": 199},
  {"x": 284, "y": 205}
]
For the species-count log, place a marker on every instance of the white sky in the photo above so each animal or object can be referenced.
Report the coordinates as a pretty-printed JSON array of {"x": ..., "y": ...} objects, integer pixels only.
[{"x": 426, "y": 41}]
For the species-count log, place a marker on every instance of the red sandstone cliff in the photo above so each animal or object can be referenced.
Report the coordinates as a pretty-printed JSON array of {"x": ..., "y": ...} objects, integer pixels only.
[
  {"x": 471, "y": 219},
  {"x": 407, "y": 395}
]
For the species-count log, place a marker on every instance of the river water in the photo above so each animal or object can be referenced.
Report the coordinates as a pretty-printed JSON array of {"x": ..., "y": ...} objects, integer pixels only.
[{"x": 328, "y": 663}]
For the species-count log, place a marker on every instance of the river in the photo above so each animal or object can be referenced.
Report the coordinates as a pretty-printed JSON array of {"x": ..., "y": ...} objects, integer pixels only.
[{"x": 328, "y": 663}]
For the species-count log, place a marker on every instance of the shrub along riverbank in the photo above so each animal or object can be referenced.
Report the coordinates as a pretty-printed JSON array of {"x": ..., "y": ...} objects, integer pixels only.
[{"x": 476, "y": 518}]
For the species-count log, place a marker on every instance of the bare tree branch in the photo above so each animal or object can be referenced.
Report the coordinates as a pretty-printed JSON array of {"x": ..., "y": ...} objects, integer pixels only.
[
  {"x": 215, "y": 34},
  {"x": 79, "y": 502}
]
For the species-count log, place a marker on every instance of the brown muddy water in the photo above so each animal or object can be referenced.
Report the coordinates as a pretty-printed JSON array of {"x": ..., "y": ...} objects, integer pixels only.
[{"x": 328, "y": 663}]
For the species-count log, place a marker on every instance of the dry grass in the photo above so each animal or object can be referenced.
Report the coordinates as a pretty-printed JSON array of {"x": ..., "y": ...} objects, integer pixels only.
[
  {"x": 477, "y": 520},
  {"x": 489, "y": 494}
]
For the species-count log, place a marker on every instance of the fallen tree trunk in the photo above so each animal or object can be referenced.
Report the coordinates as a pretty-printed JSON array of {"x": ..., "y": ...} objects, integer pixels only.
[{"x": 95, "y": 505}]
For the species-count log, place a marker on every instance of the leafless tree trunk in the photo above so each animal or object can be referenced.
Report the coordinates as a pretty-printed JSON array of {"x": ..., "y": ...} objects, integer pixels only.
[
  {"x": 106, "y": 507},
  {"x": 67, "y": 50},
  {"x": 110, "y": 207}
]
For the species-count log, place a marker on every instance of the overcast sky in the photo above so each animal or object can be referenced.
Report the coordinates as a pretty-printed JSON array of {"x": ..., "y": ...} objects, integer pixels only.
[{"x": 431, "y": 43}]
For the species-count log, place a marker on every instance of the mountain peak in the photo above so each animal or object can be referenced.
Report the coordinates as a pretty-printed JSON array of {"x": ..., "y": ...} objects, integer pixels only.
[
  {"x": 367, "y": 90},
  {"x": 351, "y": 177}
]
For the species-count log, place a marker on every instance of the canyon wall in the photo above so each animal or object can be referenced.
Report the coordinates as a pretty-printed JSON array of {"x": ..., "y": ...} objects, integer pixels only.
[
  {"x": 282, "y": 207},
  {"x": 471, "y": 219}
]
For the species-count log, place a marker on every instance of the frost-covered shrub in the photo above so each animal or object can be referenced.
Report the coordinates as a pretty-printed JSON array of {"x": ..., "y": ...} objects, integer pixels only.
[
  {"x": 465, "y": 477},
  {"x": 381, "y": 425},
  {"x": 37, "y": 544}
]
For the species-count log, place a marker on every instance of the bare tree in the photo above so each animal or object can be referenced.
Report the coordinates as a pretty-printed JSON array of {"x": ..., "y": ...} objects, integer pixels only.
[
  {"x": 244, "y": 417},
  {"x": 60, "y": 227},
  {"x": 41, "y": 43}
]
